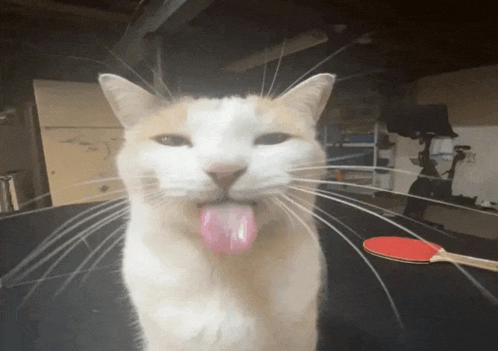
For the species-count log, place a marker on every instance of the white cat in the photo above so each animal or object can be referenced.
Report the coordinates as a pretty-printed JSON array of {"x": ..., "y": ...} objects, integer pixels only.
[{"x": 215, "y": 257}]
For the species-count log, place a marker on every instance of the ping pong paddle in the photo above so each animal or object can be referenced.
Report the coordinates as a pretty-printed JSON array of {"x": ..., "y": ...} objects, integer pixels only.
[{"x": 418, "y": 251}]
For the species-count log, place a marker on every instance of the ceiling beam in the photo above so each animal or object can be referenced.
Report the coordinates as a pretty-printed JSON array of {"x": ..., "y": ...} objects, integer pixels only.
[
  {"x": 166, "y": 16},
  {"x": 36, "y": 22},
  {"x": 81, "y": 11},
  {"x": 290, "y": 46}
]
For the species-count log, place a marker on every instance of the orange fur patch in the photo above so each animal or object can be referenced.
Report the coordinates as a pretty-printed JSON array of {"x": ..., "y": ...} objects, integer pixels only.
[
  {"x": 281, "y": 119},
  {"x": 165, "y": 121}
]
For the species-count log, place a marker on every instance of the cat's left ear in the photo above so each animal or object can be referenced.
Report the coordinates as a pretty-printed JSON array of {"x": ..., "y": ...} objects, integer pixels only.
[
  {"x": 310, "y": 96},
  {"x": 129, "y": 102}
]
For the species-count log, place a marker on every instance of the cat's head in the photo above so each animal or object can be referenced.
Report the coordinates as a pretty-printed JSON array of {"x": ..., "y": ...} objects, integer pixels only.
[{"x": 200, "y": 151}]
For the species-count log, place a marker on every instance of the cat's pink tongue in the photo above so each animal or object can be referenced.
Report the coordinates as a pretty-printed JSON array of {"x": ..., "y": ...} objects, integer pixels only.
[{"x": 228, "y": 229}]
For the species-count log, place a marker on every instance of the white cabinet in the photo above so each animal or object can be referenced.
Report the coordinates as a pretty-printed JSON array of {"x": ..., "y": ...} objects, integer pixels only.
[{"x": 80, "y": 137}]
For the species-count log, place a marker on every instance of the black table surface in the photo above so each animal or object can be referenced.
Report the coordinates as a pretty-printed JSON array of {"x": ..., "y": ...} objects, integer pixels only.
[{"x": 439, "y": 307}]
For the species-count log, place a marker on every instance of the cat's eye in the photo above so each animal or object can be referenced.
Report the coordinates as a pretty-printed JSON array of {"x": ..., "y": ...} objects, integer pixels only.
[
  {"x": 172, "y": 140},
  {"x": 271, "y": 139}
]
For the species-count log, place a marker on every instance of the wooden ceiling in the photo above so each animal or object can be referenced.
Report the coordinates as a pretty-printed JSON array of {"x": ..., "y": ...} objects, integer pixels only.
[{"x": 198, "y": 40}]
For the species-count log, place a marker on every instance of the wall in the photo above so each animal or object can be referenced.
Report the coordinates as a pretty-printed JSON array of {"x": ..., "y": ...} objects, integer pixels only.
[
  {"x": 472, "y": 100},
  {"x": 14, "y": 149},
  {"x": 471, "y": 95},
  {"x": 15, "y": 159}
]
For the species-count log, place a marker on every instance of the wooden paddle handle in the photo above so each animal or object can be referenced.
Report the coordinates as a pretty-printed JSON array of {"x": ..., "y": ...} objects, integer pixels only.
[{"x": 443, "y": 256}]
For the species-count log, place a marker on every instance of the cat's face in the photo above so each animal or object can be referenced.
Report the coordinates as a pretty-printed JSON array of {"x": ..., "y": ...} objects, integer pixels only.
[{"x": 172, "y": 150}]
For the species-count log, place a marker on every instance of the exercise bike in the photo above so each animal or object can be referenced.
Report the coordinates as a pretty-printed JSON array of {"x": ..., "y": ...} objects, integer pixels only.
[
  {"x": 429, "y": 183},
  {"x": 424, "y": 122}
]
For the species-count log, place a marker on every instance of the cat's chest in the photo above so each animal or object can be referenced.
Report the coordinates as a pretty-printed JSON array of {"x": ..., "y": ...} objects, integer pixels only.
[
  {"x": 188, "y": 298},
  {"x": 214, "y": 322},
  {"x": 186, "y": 306}
]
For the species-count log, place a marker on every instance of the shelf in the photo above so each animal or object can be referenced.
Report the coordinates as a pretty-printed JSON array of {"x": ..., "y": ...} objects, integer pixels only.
[
  {"x": 358, "y": 176},
  {"x": 352, "y": 145}
]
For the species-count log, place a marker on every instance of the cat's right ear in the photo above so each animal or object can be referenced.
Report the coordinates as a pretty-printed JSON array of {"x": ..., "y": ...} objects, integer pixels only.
[
  {"x": 129, "y": 102},
  {"x": 310, "y": 96}
]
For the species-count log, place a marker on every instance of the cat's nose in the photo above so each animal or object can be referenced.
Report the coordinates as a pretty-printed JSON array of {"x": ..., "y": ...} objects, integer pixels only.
[{"x": 225, "y": 175}]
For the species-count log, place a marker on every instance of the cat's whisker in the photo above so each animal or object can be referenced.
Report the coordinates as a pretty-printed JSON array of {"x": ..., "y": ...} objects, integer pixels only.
[
  {"x": 57, "y": 232},
  {"x": 335, "y": 219},
  {"x": 95, "y": 197},
  {"x": 101, "y": 257},
  {"x": 59, "y": 190},
  {"x": 52, "y": 277},
  {"x": 450, "y": 204},
  {"x": 268, "y": 203},
  {"x": 123, "y": 62},
  {"x": 90, "y": 230},
  {"x": 56, "y": 191},
  {"x": 264, "y": 76},
  {"x": 22, "y": 213},
  {"x": 285, "y": 211},
  {"x": 360, "y": 253},
  {"x": 481, "y": 288},
  {"x": 86, "y": 244},
  {"x": 60, "y": 232},
  {"x": 304, "y": 224},
  {"x": 381, "y": 209},
  {"x": 154, "y": 196},
  {"x": 75, "y": 240},
  {"x": 87, "y": 259},
  {"x": 367, "y": 168},
  {"x": 360, "y": 74},
  {"x": 163, "y": 201},
  {"x": 328, "y": 58},
  {"x": 116, "y": 271},
  {"x": 346, "y": 157},
  {"x": 52, "y": 237},
  {"x": 320, "y": 165},
  {"x": 158, "y": 74},
  {"x": 165, "y": 87},
  {"x": 316, "y": 193},
  {"x": 276, "y": 70}
]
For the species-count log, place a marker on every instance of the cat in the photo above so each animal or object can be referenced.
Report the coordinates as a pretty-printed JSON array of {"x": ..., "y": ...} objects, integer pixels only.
[{"x": 213, "y": 259}]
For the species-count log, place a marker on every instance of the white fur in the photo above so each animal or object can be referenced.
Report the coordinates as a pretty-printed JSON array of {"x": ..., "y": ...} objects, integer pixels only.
[{"x": 186, "y": 298}]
